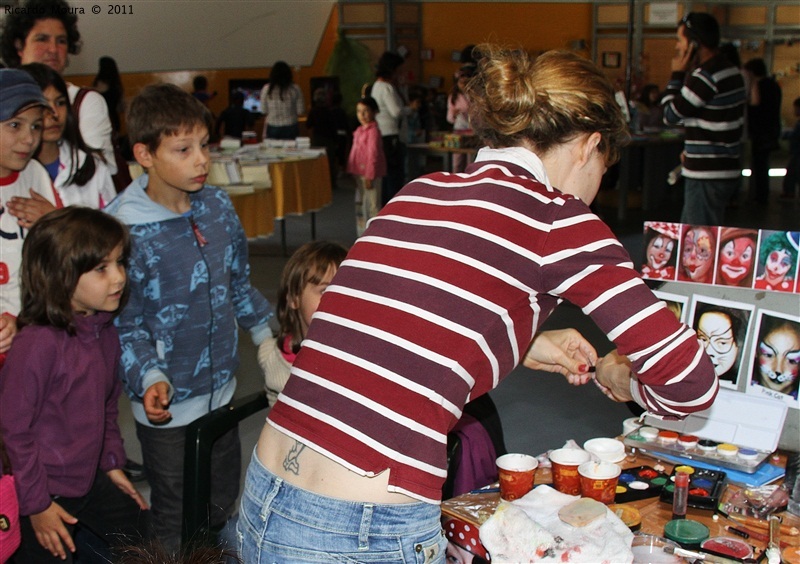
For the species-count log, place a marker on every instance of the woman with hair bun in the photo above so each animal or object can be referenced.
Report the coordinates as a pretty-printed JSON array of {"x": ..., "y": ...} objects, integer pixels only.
[{"x": 438, "y": 301}]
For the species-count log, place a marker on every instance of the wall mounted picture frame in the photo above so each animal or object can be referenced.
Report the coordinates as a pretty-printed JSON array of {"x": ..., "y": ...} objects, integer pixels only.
[
  {"x": 775, "y": 357},
  {"x": 675, "y": 303},
  {"x": 611, "y": 59},
  {"x": 723, "y": 328}
]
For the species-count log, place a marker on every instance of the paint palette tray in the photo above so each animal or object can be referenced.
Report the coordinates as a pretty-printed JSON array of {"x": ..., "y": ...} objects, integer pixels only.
[
  {"x": 705, "y": 487},
  {"x": 742, "y": 459},
  {"x": 718, "y": 435},
  {"x": 640, "y": 483}
]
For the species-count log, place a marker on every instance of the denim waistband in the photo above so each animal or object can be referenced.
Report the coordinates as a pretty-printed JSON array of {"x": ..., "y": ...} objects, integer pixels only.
[{"x": 350, "y": 516}]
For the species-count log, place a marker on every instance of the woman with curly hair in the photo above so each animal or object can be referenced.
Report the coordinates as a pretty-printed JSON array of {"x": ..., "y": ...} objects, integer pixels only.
[{"x": 46, "y": 31}]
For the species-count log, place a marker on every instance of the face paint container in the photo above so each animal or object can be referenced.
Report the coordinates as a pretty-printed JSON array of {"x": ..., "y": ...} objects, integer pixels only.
[{"x": 680, "y": 496}]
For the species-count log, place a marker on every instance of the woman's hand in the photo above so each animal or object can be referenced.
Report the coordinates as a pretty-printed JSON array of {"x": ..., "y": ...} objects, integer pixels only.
[
  {"x": 564, "y": 351},
  {"x": 51, "y": 532},
  {"x": 614, "y": 376},
  {"x": 28, "y": 210},
  {"x": 123, "y": 483}
]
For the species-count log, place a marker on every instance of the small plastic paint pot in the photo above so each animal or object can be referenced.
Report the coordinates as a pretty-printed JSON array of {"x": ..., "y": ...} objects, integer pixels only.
[
  {"x": 628, "y": 515},
  {"x": 630, "y": 425},
  {"x": 727, "y": 450},
  {"x": 685, "y": 469},
  {"x": 791, "y": 555},
  {"x": 649, "y": 433},
  {"x": 703, "y": 483},
  {"x": 660, "y": 481},
  {"x": 667, "y": 437},
  {"x": 626, "y": 478},
  {"x": 650, "y": 548},
  {"x": 707, "y": 445},
  {"x": 606, "y": 449},
  {"x": 687, "y": 441},
  {"x": 698, "y": 492},
  {"x": 620, "y": 490},
  {"x": 748, "y": 454},
  {"x": 638, "y": 485},
  {"x": 686, "y": 532},
  {"x": 728, "y": 547}
]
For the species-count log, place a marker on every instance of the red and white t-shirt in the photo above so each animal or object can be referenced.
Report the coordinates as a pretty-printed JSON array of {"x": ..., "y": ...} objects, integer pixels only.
[{"x": 11, "y": 234}]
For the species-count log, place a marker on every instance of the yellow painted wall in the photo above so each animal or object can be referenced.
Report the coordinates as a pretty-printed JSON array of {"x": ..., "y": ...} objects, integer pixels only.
[{"x": 450, "y": 26}]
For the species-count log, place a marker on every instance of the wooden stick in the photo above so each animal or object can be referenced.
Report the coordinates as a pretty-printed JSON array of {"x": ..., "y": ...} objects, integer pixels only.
[{"x": 762, "y": 524}]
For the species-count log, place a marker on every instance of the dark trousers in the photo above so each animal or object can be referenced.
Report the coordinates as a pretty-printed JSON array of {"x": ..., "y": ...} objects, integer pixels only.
[
  {"x": 759, "y": 174},
  {"x": 106, "y": 514},
  {"x": 704, "y": 201},
  {"x": 162, "y": 453},
  {"x": 395, "y": 179},
  {"x": 285, "y": 132},
  {"x": 792, "y": 177}
]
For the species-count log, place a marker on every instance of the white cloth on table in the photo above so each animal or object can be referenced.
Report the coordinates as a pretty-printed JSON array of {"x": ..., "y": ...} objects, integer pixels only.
[{"x": 606, "y": 539}]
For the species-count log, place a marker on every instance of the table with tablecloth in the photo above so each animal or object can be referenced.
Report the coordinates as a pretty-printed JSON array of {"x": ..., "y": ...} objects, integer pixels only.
[{"x": 476, "y": 507}]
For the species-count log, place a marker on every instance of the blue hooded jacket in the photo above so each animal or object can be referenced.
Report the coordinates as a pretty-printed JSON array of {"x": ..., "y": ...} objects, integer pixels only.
[{"x": 189, "y": 280}]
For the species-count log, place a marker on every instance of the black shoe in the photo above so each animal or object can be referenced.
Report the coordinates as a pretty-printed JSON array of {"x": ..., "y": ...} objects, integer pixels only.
[{"x": 134, "y": 471}]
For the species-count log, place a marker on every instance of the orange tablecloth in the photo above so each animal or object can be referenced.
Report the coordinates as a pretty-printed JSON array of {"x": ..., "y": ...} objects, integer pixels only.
[
  {"x": 256, "y": 212},
  {"x": 300, "y": 186}
]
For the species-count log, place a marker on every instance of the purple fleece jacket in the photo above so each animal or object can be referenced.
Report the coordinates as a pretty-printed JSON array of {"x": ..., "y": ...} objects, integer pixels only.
[{"x": 58, "y": 409}]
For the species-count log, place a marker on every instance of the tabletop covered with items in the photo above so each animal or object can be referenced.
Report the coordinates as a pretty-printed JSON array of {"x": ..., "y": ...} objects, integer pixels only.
[{"x": 657, "y": 498}]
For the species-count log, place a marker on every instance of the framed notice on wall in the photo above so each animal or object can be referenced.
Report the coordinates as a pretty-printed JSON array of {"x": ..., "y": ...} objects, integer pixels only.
[{"x": 662, "y": 13}]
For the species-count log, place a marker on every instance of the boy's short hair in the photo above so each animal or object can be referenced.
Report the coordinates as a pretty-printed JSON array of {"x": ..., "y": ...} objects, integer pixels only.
[
  {"x": 164, "y": 109},
  {"x": 18, "y": 91}
]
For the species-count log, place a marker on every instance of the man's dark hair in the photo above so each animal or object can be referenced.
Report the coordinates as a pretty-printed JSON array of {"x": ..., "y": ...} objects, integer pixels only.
[
  {"x": 199, "y": 83},
  {"x": 757, "y": 67},
  {"x": 703, "y": 28}
]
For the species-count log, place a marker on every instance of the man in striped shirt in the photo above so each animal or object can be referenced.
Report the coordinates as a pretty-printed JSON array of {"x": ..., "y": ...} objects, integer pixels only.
[{"x": 709, "y": 103}]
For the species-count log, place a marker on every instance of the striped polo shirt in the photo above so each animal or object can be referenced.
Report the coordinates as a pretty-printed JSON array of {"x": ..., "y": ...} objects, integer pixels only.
[
  {"x": 710, "y": 105},
  {"x": 438, "y": 301}
]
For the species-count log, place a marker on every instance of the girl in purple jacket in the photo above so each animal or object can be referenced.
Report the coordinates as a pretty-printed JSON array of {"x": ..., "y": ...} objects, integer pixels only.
[{"x": 59, "y": 388}]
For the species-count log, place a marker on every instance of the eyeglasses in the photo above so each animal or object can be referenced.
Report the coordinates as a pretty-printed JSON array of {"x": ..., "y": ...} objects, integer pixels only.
[
  {"x": 721, "y": 344},
  {"x": 686, "y": 20}
]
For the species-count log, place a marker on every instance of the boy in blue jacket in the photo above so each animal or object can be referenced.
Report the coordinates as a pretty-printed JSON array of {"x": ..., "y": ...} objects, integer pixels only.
[{"x": 189, "y": 293}]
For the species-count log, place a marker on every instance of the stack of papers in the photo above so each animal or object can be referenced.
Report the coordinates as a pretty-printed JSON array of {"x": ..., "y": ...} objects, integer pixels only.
[{"x": 238, "y": 189}]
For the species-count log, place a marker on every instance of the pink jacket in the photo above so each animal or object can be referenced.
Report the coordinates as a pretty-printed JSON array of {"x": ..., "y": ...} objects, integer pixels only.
[{"x": 366, "y": 156}]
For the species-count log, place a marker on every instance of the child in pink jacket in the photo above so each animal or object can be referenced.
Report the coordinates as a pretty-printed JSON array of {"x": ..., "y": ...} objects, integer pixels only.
[{"x": 367, "y": 163}]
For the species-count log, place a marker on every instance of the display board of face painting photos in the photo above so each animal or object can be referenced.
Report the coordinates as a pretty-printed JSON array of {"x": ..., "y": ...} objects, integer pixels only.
[
  {"x": 722, "y": 256},
  {"x": 737, "y": 288}
]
